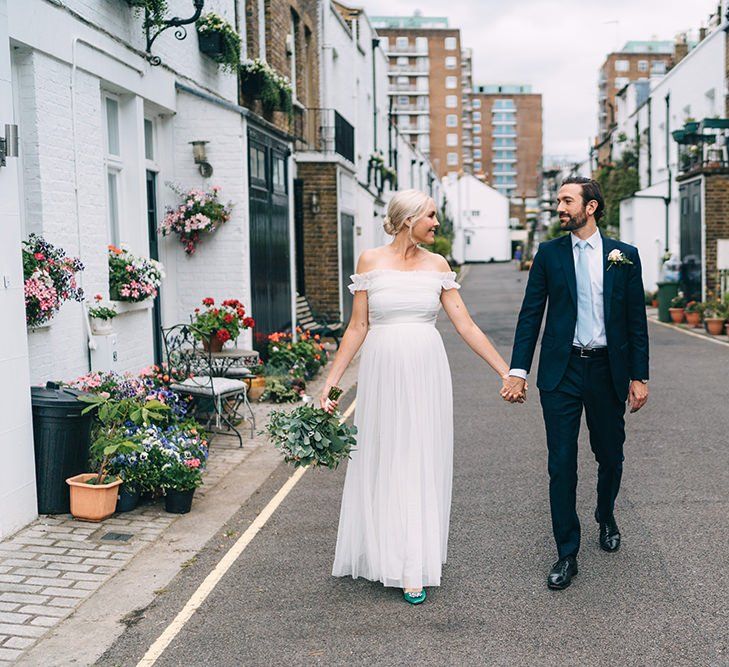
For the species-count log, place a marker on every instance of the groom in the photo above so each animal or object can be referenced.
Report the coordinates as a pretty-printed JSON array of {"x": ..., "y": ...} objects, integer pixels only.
[{"x": 594, "y": 355}]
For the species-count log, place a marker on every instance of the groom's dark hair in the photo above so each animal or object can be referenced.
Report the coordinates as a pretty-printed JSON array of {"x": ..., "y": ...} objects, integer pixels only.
[{"x": 590, "y": 191}]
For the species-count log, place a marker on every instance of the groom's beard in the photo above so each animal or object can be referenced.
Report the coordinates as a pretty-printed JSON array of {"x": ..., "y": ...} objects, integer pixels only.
[{"x": 571, "y": 222}]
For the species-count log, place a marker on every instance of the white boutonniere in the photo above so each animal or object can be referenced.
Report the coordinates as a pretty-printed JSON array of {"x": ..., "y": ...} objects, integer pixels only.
[{"x": 616, "y": 258}]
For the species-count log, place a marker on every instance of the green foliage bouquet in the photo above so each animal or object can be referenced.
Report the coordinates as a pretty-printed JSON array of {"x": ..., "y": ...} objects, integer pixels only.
[{"x": 309, "y": 436}]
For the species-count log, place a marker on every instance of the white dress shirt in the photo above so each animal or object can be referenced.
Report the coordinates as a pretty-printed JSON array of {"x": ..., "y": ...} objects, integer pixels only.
[{"x": 595, "y": 266}]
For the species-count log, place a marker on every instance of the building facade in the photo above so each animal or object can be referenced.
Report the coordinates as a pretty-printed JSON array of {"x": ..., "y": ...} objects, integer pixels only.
[{"x": 426, "y": 88}]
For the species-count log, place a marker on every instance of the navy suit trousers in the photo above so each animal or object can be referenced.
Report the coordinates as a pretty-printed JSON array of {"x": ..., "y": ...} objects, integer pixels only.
[{"x": 587, "y": 384}]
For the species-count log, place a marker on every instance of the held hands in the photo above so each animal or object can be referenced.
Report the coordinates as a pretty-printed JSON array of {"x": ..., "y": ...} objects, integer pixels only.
[
  {"x": 326, "y": 403},
  {"x": 513, "y": 389},
  {"x": 637, "y": 395}
]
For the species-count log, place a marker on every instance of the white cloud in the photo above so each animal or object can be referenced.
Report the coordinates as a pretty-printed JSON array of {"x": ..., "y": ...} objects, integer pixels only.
[{"x": 557, "y": 46}]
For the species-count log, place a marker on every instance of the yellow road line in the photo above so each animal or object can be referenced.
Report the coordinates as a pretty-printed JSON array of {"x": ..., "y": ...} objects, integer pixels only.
[{"x": 225, "y": 563}]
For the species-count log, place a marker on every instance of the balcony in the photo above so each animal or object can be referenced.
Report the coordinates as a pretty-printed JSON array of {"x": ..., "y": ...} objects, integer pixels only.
[
  {"x": 414, "y": 70},
  {"x": 702, "y": 147},
  {"x": 408, "y": 109},
  {"x": 411, "y": 88},
  {"x": 324, "y": 131},
  {"x": 413, "y": 129},
  {"x": 409, "y": 50}
]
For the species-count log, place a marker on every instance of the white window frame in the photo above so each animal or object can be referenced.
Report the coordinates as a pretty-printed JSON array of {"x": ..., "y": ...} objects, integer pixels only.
[
  {"x": 113, "y": 166},
  {"x": 622, "y": 65},
  {"x": 402, "y": 43},
  {"x": 452, "y": 120},
  {"x": 451, "y": 62},
  {"x": 643, "y": 65},
  {"x": 452, "y": 140},
  {"x": 452, "y": 159},
  {"x": 451, "y": 101},
  {"x": 476, "y": 104},
  {"x": 476, "y": 116},
  {"x": 451, "y": 82},
  {"x": 451, "y": 44}
]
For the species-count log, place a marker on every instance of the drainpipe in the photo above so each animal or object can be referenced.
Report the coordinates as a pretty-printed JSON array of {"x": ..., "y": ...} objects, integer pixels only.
[
  {"x": 650, "y": 142},
  {"x": 668, "y": 163},
  {"x": 375, "y": 44}
]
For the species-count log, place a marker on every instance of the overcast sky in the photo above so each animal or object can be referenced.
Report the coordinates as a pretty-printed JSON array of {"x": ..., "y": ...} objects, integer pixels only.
[{"x": 557, "y": 46}]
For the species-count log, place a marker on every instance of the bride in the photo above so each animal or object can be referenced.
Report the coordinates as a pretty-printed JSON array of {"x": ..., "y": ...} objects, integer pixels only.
[{"x": 393, "y": 526}]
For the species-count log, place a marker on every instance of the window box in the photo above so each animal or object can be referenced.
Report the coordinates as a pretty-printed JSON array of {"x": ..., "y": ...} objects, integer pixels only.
[{"x": 211, "y": 43}]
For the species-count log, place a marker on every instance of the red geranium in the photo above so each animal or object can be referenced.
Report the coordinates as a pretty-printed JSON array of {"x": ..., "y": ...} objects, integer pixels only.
[{"x": 224, "y": 322}]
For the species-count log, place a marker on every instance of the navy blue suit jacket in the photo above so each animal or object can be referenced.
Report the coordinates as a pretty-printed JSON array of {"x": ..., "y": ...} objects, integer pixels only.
[{"x": 552, "y": 284}]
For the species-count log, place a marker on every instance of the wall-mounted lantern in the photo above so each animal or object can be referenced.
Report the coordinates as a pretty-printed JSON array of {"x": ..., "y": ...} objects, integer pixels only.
[
  {"x": 9, "y": 144},
  {"x": 200, "y": 157},
  {"x": 315, "y": 208}
]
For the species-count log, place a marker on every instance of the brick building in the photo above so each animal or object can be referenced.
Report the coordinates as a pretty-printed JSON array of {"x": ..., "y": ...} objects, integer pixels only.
[
  {"x": 636, "y": 61},
  {"x": 507, "y": 144},
  {"x": 426, "y": 88}
]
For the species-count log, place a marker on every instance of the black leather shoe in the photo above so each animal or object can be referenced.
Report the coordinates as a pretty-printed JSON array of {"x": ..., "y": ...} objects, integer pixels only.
[
  {"x": 609, "y": 536},
  {"x": 561, "y": 573}
]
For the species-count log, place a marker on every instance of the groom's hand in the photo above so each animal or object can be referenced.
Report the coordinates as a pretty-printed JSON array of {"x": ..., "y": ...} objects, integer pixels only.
[
  {"x": 637, "y": 395},
  {"x": 513, "y": 389}
]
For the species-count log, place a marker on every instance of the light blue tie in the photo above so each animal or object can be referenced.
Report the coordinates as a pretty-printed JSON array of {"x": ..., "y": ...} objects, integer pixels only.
[{"x": 584, "y": 297}]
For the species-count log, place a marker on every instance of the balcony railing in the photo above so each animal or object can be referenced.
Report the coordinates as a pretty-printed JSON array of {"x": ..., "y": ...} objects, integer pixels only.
[
  {"x": 407, "y": 88},
  {"x": 407, "y": 69},
  {"x": 411, "y": 108},
  {"x": 413, "y": 50},
  {"x": 324, "y": 131}
]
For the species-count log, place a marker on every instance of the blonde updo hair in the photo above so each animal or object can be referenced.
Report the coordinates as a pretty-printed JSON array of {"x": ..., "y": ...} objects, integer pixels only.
[{"x": 405, "y": 205}]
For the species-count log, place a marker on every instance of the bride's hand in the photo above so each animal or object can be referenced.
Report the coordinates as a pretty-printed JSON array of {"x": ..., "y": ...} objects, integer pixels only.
[{"x": 325, "y": 402}]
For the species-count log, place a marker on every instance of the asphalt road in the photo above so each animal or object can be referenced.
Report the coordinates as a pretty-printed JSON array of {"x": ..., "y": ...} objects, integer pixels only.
[{"x": 661, "y": 600}]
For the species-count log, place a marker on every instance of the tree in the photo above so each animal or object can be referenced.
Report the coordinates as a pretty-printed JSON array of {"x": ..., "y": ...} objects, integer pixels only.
[{"x": 618, "y": 180}]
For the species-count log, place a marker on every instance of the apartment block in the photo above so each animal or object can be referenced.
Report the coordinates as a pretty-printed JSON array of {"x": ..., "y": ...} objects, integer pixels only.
[
  {"x": 425, "y": 85},
  {"x": 467, "y": 106},
  {"x": 507, "y": 140},
  {"x": 636, "y": 61}
]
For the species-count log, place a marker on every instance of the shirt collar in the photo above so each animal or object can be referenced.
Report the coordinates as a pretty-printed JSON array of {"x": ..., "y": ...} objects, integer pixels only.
[{"x": 593, "y": 241}]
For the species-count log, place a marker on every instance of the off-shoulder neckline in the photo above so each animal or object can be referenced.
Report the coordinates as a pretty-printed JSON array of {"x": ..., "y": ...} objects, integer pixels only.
[{"x": 439, "y": 273}]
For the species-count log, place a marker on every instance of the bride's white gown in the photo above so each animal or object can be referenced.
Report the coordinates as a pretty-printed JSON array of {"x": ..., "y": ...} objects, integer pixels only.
[{"x": 396, "y": 504}]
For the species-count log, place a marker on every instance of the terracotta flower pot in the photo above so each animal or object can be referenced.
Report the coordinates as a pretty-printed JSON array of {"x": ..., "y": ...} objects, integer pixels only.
[
  {"x": 654, "y": 303},
  {"x": 92, "y": 502},
  {"x": 212, "y": 344},
  {"x": 676, "y": 315},
  {"x": 715, "y": 325},
  {"x": 694, "y": 319},
  {"x": 256, "y": 386}
]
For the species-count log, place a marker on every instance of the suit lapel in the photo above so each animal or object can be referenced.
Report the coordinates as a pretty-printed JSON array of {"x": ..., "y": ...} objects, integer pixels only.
[
  {"x": 607, "y": 276},
  {"x": 567, "y": 260}
]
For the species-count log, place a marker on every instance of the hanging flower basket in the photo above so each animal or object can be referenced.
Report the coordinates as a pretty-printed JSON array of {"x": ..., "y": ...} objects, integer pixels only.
[
  {"x": 218, "y": 39},
  {"x": 200, "y": 212},
  {"x": 133, "y": 278},
  {"x": 260, "y": 81}
]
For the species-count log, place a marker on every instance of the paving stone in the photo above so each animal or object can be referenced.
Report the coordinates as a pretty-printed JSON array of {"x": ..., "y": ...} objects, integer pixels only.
[
  {"x": 8, "y": 606},
  {"x": 4, "y": 569},
  {"x": 41, "y": 581},
  {"x": 104, "y": 570},
  {"x": 13, "y": 617},
  {"x": 85, "y": 585},
  {"x": 18, "y": 642},
  {"x": 85, "y": 576},
  {"x": 102, "y": 562},
  {"x": 70, "y": 567},
  {"x": 66, "y": 592},
  {"x": 35, "y": 609},
  {"x": 60, "y": 529},
  {"x": 37, "y": 572},
  {"x": 46, "y": 550},
  {"x": 22, "y": 562},
  {"x": 10, "y": 655},
  {"x": 44, "y": 621},
  {"x": 59, "y": 559},
  {"x": 77, "y": 545},
  {"x": 90, "y": 554},
  {"x": 21, "y": 630},
  {"x": 28, "y": 598},
  {"x": 27, "y": 542},
  {"x": 11, "y": 578},
  {"x": 63, "y": 602},
  {"x": 18, "y": 588}
]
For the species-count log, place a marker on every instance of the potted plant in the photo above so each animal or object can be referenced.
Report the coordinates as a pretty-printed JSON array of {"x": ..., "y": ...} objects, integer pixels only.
[
  {"x": 261, "y": 82},
  {"x": 678, "y": 304},
  {"x": 199, "y": 213},
  {"x": 256, "y": 384},
  {"x": 219, "y": 324},
  {"x": 218, "y": 39},
  {"x": 693, "y": 312},
  {"x": 50, "y": 279},
  {"x": 715, "y": 315},
  {"x": 133, "y": 278},
  {"x": 101, "y": 317},
  {"x": 179, "y": 481}
]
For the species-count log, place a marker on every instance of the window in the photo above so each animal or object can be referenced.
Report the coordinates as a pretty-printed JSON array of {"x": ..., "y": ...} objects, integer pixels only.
[
  {"x": 421, "y": 44},
  {"x": 403, "y": 60},
  {"x": 451, "y": 62},
  {"x": 477, "y": 129},
  {"x": 476, "y": 104},
  {"x": 478, "y": 166},
  {"x": 622, "y": 65},
  {"x": 642, "y": 65},
  {"x": 451, "y": 140},
  {"x": 294, "y": 38},
  {"x": 451, "y": 101},
  {"x": 403, "y": 80},
  {"x": 504, "y": 104},
  {"x": 451, "y": 120},
  {"x": 403, "y": 100},
  {"x": 114, "y": 167},
  {"x": 149, "y": 139},
  {"x": 385, "y": 44},
  {"x": 451, "y": 82},
  {"x": 451, "y": 44},
  {"x": 279, "y": 173},
  {"x": 505, "y": 141},
  {"x": 477, "y": 153},
  {"x": 402, "y": 43},
  {"x": 476, "y": 116},
  {"x": 621, "y": 82},
  {"x": 452, "y": 159},
  {"x": 477, "y": 141},
  {"x": 257, "y": 163},
  {"x": 658, "y": 67}
]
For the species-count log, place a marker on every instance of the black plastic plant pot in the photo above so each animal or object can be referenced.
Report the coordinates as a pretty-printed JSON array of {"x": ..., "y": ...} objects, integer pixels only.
[
  {"x": 128, "y": 500},
  {"x": 178, "y": 502},
  {"x": 211, "y": 43}
]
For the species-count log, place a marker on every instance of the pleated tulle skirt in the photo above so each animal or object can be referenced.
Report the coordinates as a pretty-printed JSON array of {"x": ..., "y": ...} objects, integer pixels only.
[{"x": 393, "y": 525}]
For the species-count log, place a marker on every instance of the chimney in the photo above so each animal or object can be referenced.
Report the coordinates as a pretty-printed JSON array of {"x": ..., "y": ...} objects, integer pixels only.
[{"x": 680, "y": 49}]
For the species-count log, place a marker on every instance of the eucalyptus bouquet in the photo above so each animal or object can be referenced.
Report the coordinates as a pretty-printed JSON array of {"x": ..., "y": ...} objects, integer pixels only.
[{"x": 309, "y": 436}]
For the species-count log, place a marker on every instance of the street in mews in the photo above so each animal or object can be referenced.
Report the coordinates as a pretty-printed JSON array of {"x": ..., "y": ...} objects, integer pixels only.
[{"x": 660, "y": 600}]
